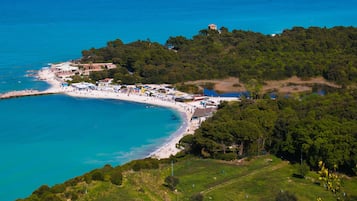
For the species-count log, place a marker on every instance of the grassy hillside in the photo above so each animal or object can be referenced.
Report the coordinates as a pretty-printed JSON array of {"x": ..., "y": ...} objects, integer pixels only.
[{"x": 260, "y": 178}]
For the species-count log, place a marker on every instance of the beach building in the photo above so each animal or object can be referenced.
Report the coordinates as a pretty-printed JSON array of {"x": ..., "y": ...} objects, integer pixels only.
[
  {"x": 64, "y": 70},
  {"x": 84, "y": 86},
  {"x": 64, "y": 67},
  {"x": 105, "y": 82},
  {"x": 93, "y": 67},
  {"x": 203, "y": 112}
]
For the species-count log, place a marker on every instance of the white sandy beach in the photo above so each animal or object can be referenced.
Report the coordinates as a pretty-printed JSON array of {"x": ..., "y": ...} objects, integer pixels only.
[{"x": 185, "y": 109}]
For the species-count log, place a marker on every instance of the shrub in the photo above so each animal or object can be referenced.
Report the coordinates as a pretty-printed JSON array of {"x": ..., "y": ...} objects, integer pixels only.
[
  {"x": 73, "y": 182},
  {"x": 189, "y": 88},
  {"x": 74, "y": 196},
  {"x": 87, "y": 178},
  {"x": 32, "y": 197},
  {"x": 186, "y": 142},
  {"x": 226, "y": 156},
  {"x": 51, "y": 197},
  {"x": 137, "y": 167},
  {"x": 171, "y": 182},
  {"x": 285, "y": 196},
  {"x": 98, "y": 176},
  {"x": 107, "y": 168},
  {"x": 237, "y": 85},
  {"x": 59, "y": 188},
  {"x": 301, "y": 170},
  {"x": 196, "y": 197},
  {"x": 148, "y": 163},
  {"x": 116, "y": 178},
  {"x": 208, "y": 85},
  {"x": 42, "y": 190}
]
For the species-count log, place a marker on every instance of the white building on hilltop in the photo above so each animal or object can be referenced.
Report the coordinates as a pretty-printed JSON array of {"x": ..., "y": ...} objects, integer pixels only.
[{"x": 212, "y": 27}]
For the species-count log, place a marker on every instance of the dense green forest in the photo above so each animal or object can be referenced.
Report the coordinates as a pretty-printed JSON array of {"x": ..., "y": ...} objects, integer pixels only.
[
  {"x": 312, "y": 129},
  {"x": 304, "y": 52}
]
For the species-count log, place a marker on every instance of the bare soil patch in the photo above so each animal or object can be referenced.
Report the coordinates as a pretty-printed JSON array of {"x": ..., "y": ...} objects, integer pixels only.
[
  {"x": 295, "y": 84},
  {"x": 290, "y": 85},
  {"x": 230, "y": 84}
]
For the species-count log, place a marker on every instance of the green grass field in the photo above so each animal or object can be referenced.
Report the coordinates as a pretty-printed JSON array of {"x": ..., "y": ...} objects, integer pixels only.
[{"x": 257, "y": 179}]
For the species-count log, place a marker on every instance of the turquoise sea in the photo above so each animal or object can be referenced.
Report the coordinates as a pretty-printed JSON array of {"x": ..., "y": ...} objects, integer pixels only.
[
  {"x": 49, "y": 139},
  {"x": 46, "y": 140}
]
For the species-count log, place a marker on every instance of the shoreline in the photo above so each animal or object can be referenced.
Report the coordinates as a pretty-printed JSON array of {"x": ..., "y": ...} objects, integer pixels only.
[
  {"x": 169, "y": 146},
  {"x": 161, "y": 151},
  {"x": 185, "y": 109}
]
